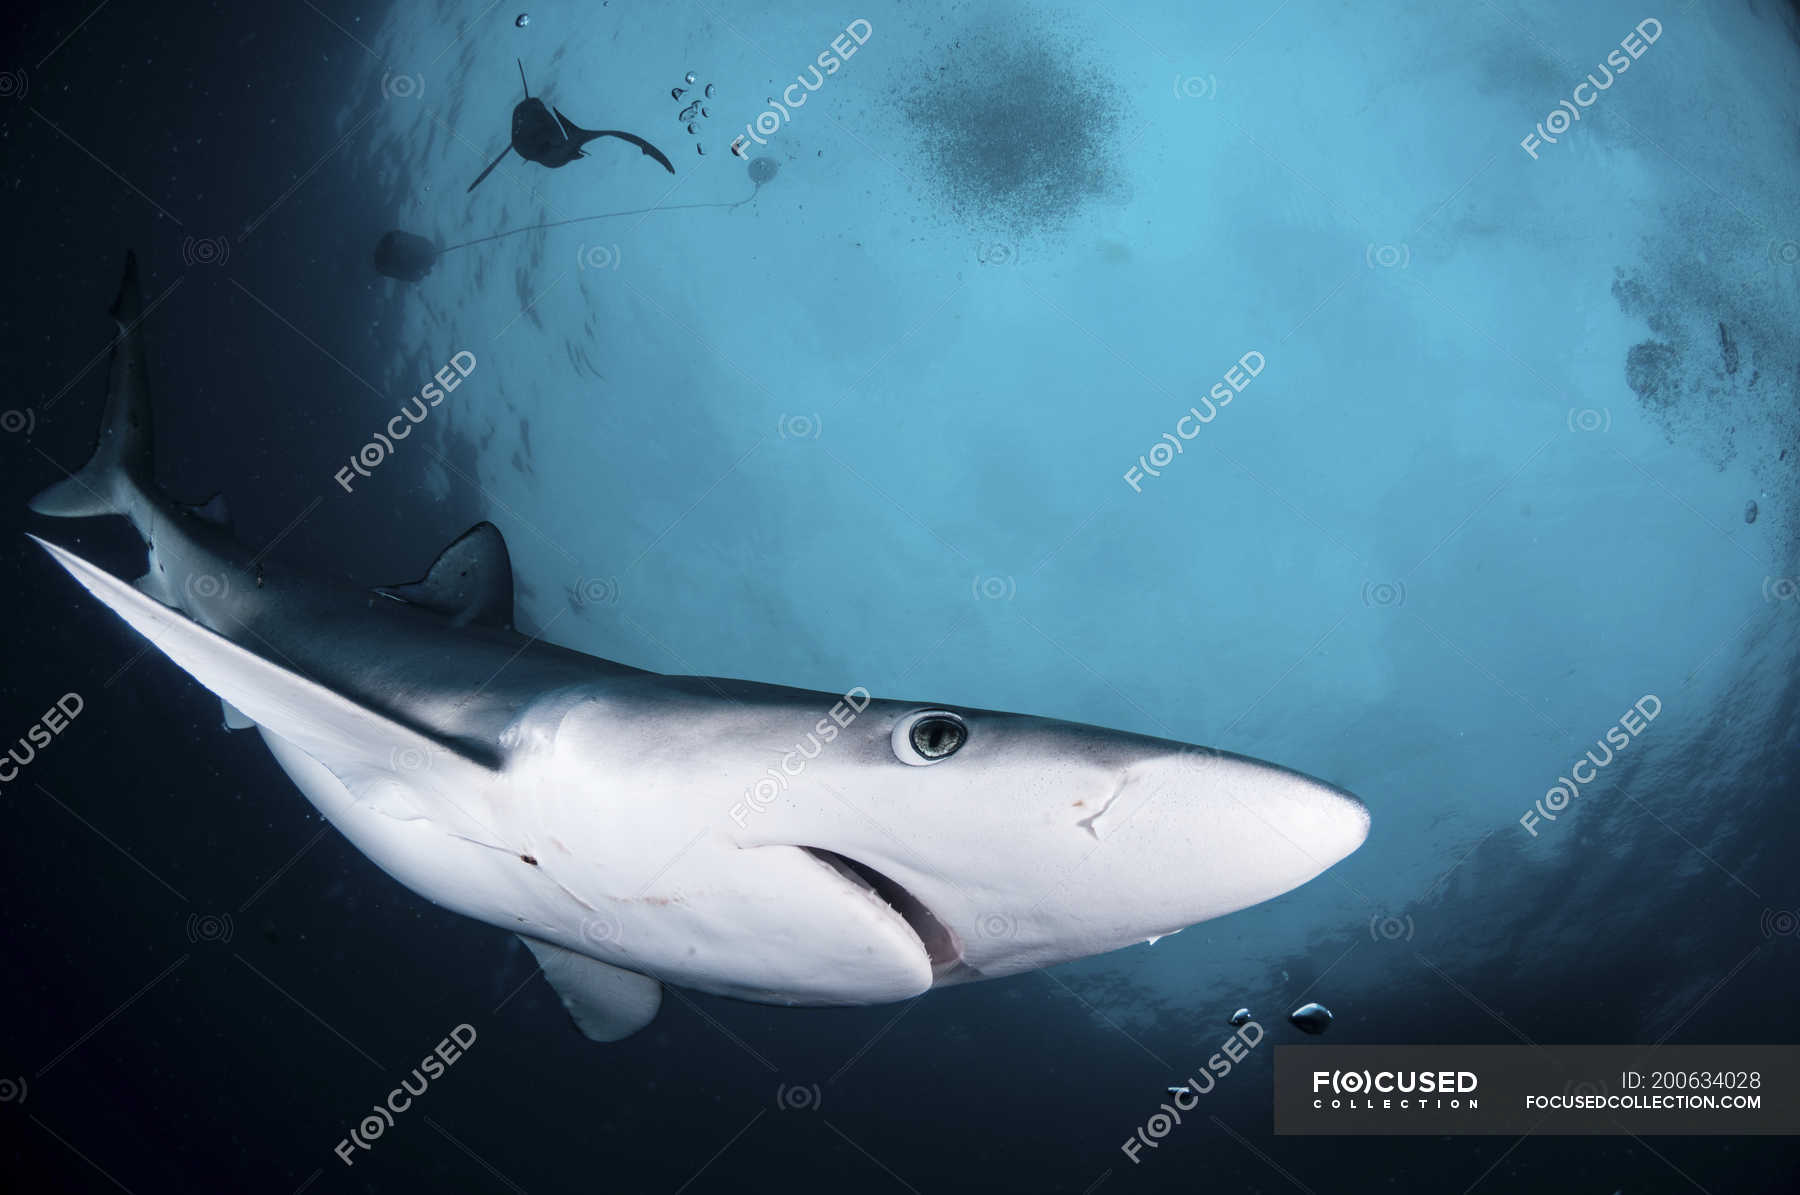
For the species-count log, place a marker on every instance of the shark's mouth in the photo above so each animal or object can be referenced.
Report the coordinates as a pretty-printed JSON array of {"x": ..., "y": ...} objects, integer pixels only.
[{"x": 941, "y": 944}]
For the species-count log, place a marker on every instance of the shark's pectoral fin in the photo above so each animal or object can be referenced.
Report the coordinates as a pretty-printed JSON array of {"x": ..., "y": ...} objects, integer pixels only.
[
  {"x": 470, "y": 582},
  {"x": 607, "y": 1002},
  {"x": 581, "y": 137},
  {"x": 360, "y": 745}
]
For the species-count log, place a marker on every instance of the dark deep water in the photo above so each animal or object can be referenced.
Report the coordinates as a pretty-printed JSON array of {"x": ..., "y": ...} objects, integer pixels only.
[{"x": 207, "y": 985}]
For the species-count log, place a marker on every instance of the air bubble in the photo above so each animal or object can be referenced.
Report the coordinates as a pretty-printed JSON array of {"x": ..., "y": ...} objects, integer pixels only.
[
  {"x": 1311, "y": 1018},
  {"x": 690, "y": 76}
]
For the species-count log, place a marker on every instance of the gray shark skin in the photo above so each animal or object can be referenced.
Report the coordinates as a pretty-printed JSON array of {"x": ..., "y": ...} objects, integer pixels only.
[
  {"x": 555, "y": 141},
  {"x": 747, "y": 840}
]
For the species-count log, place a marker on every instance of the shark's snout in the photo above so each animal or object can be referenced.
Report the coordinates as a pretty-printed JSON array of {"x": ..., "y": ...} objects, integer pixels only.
[
  {"x": 1193, "y": 834},
  {"x": 1201, "y": 796}
]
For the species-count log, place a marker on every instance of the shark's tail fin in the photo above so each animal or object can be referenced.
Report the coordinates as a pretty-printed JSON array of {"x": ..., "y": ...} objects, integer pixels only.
[{"x": 120, "y": 471}]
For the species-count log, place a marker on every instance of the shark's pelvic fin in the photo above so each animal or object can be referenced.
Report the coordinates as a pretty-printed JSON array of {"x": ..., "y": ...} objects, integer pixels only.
[
  {"x": 120, "y": 470},
  {"x": 233, "y": 717},
  {"x": 471, "y": 582},
  {"x": 607, "y": 1002}
]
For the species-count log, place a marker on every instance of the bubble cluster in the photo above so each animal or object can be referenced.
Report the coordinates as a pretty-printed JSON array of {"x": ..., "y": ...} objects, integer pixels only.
[
  {"x": 694, "y": 112},
  {"x": 1018, "y": 130}
]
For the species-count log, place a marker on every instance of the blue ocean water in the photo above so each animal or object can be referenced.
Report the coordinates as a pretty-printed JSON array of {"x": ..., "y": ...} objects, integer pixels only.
[{"x": 933, "y": 412}]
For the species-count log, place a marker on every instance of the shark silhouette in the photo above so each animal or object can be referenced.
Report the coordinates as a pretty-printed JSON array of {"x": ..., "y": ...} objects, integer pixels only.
[
  {"x": 555, "y": 141},
  {"x": 601, "y": 812}
]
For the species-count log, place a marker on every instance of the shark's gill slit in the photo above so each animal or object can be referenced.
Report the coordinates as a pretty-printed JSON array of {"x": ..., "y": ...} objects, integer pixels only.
[{"x": 941, "y": 944}]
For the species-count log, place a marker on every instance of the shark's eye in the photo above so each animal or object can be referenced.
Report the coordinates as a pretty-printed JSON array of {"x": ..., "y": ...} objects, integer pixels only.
[{"x": 927, "y": 736}]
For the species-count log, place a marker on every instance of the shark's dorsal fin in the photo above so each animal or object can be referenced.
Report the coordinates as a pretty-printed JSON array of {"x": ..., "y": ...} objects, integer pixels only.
[
  {"x": 213, "y": 510},
  {"x": 607, "y": 1002},
  {"x": 470, "y": 583}
]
